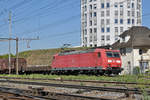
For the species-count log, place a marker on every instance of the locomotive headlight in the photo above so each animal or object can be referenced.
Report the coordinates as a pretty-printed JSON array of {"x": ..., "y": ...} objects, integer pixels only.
[
  {"x": 109, "y": 61},
  {"x": 118, "y": 61}
]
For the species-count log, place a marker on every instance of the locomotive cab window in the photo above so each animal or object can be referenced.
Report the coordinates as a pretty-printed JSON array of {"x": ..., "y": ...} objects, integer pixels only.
[
  {"x": 113, "y": 54},
  {"x": 99, "y": 54},
  {"x": 109, "y": 54},
  {"x": 116, "y": 54}
]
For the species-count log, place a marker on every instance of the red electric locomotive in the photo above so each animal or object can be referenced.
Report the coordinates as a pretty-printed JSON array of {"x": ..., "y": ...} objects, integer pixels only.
[{"x": 93, "y": 61}]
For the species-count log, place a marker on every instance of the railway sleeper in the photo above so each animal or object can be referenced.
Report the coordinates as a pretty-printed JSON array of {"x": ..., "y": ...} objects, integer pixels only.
[{"x": 36, "y": 91}]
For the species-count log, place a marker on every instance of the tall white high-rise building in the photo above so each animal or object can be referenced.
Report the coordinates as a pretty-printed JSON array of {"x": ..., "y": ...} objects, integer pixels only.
[{"x": 102, "y": 21}]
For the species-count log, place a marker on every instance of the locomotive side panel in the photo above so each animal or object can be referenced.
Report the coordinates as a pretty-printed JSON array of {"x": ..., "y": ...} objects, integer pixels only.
[{"x": 88, "y": 59}]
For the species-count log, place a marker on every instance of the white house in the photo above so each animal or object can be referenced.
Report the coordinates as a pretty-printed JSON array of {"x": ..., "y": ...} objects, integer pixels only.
[{"x": 134, "y": 45}]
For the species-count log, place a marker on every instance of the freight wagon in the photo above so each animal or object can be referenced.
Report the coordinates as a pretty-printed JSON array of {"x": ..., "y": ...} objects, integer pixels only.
[
  {"x": 93, "y": 61},
  {"x": 4, "y": 65}
]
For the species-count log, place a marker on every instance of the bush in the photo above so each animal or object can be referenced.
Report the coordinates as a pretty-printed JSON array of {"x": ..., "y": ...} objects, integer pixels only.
[
  {"x": 136, "y": 70},
  {"x": 6, "y": 56}
]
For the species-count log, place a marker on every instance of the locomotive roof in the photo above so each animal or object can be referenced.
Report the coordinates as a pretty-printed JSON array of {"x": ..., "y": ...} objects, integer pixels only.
[
  {"x": 76, "y": 52},
  {"x": 82, "y": 51}
]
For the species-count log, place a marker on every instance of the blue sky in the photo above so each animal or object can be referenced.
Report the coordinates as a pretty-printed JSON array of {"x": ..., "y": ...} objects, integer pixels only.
[{"x": 56, "y": 22}]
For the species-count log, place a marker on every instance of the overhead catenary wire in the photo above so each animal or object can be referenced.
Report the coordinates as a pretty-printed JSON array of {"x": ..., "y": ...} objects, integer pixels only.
[
  {"x": 4, "y": 11},
  {"x": 36, "y": 13},
  {"x": 42, "y": 28}
]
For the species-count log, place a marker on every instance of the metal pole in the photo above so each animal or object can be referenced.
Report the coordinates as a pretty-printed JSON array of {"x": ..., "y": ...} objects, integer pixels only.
[
  {"x": 9, "y": 64},
  {"x": 133, "y": 36},
  {"x": 17, "y": 56}
]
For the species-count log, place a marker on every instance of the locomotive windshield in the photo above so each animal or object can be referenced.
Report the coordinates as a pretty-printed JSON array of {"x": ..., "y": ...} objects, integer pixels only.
[
  {"x": 116, "y": 54},
  {"x": 109, "y": 54},
  {"x": 113, "y": 54}
]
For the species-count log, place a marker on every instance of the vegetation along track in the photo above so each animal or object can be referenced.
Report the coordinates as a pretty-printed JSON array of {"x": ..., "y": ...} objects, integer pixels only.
[
  {"x": 110, "y": 89},
  {"x": 89, "y": 81},
  {"x": 19, "y": 94}
]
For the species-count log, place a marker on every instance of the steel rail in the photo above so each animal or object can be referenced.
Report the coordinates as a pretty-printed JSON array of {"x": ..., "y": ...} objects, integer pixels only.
[
  {"x": 110, "y": 89},
  {"x": 89, "y": 81},
  {"x": 50, "y": 96}
]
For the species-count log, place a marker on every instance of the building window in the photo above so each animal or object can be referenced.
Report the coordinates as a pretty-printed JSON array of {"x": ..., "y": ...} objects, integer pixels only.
[
  {"x": 90, "y": 0},
  {"x": 86, "y": 39},
  {"x": 102, "y": 29},
  {"x": 85, "y": 8},
  {"x": 102, "y": 5},
  {"x": 123, "y": 51},
  {"x": 128, "y": 5},
  {"x": 85, "y": 17},
  {"x": 144, "y": 65},
  {"x": 107, "y": 21},
  {"x": 121, "y": 21},
  {"x": 95, "y": 14},
  {"x": 95, "y": 30},
  {"x": 90, "y": 23},
  {"x": 138, "y": 14},
  {"x": 129, "y": 13},
  {"x": 116, "y": 21},
  {"x": 108, "y": 29},
  {"x": 128, "y": 21},
  {"x": 138, "y": 21},
  {"x": 95, "y": 22},
  {"x": 108, "y": 5},
  {"x": 90, "y": 30},
  {"x": 121, "y": 29},
  {"x": 90, "y": 15},
  {"x": 95, "y": 6},
  {"x": 102, "y": 37},
  {"x": 108, "y": 37},
  {"x": 116, "y": 37},
  {"x": 121, "y": 13},
  {"x": 133, "y": 21},
  {"x": 139, "y": 6},
  {"x": 132, "y": 5},
  {"x": 102, "y": 21},
  {"x": 90, "y": 7},
  {"x": 95, "y": 38},
  {"x": 85, "y": 32},
  {"x": 116, "y": 13},
  {"x": 85, "y": 24},
  {"x": 133, "y": 13},
  {"x": 107, "y": 13},
  {"x": 116, "y": 5},
  {"x": 90, "y": 38},
  {"x": 102, "y": 13},
  {"x": 116, "y": 29},
  {"x": 121, "y": 5}
]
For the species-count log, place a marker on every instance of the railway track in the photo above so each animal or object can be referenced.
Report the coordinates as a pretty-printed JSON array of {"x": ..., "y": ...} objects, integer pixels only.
[
  {"x": 18, "y": 94},
  {"x": 110, "y": 89},
  {"x": 89, "y": 81}
]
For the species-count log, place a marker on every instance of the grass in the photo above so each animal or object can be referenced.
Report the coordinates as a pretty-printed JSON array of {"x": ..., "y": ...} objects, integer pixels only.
[{"x": 123, "y": 78}]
